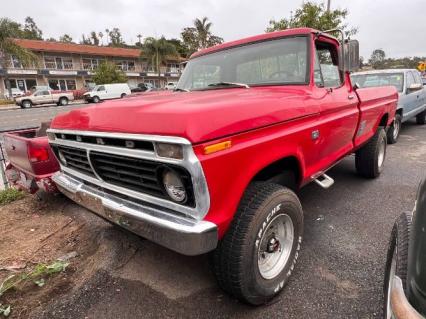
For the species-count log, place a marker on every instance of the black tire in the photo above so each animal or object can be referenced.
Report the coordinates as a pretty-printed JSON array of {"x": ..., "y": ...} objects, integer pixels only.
[
  {"x": 236, "y": 260},
  {"x": 26, "y": 104},
  {"x": 96, "y": 99},
  {"x": 367, "y": 158},
  {"x": 421, "y": 118},
  {"x": 63, "y": 101},
  {"x": 397, "y": 254},
  {"x": 123, "y": 95},
  {"x": 394, "y": 129}
]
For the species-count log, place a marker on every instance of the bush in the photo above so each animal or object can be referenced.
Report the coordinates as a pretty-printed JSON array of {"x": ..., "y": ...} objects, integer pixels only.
[
  {"x": 10, "y": 195},
  {"x": 6, "y": 102}
]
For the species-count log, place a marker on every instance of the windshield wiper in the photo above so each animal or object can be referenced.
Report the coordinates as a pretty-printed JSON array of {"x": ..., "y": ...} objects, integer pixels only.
[
  {"x": 180, "y": 90},
  {"x": 243, "y": 85}
]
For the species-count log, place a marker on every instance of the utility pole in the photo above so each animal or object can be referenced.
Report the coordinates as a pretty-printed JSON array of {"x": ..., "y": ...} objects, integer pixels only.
[{"x": 328, "y": 5}]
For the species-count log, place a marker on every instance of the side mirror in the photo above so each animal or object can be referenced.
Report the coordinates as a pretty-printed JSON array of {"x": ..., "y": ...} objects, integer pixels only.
[
  {"x": 414, "y": 87},
  {"x": 351, "y": 55}
]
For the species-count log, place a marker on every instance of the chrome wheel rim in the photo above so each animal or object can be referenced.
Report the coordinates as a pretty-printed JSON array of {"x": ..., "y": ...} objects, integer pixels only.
[
  {"x": 392, "y": 273},
  {"x": 26, "y": 105},
  {"x": 396, "y": 128},
  {"x": 382, "y": 150},
  {"x": 275, "y": 246}
]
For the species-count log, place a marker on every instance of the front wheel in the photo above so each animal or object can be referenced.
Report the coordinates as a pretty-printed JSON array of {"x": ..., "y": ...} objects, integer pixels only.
[
  {"x": 370, "y": 159},
  {"x": 26, "y": 104},
  {"x": 397, "y": 259},
  {"x": 421, "y": 118},
  {"x": 393, "y": 132},
  {"x": 96, "y": 99},
  {"x": 259, "y": 251}
]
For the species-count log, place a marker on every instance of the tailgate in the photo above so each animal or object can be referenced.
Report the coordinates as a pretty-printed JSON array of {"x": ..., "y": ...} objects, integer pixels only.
[{"x": 16, "y": 147}]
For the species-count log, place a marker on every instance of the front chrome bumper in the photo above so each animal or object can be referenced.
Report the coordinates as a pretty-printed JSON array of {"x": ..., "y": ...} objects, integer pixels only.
[
  {"x": 184, "y": 235},
  {"x": 401, "y": 308}
]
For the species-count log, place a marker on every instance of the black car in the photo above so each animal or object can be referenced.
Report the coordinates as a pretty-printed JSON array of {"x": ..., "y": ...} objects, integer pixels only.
[
  {"x": 405, "y": 275},
  {"x": 142, "y": 87}
]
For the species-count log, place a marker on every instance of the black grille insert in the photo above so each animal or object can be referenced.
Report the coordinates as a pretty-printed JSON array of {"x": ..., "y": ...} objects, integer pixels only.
[
  {"x": 137, "y": 174},
  {"x": 76, "y": 159}
]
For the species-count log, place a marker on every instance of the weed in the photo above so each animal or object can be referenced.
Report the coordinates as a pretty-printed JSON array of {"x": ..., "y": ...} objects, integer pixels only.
[
  {"x": 36, "y": 275},
  {"x": 9, "y": 195}
]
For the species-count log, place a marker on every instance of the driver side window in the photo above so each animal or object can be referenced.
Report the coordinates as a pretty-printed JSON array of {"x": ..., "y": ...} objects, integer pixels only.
[{"x": 326, "y": 67}]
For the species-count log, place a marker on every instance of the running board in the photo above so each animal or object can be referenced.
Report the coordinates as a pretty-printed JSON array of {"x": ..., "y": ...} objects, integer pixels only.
[{"x": 324, "y": 181}]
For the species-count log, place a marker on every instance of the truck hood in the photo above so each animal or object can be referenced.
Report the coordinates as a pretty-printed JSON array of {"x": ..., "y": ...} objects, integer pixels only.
[{"x": 198, "y": 115}]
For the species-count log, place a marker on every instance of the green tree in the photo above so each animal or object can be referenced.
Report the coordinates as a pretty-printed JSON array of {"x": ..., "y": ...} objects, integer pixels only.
[
  {"x": 94, "y": 37},
  {"x": 314, "y": 15},
  {"x": 115, "y": 37},
  {"x": 199, "y": 36},
  {"x": 31, "y": 30},
  {"x": 51, "y": 39},
  {"x": 107, "y": 73},
  {"x": 85, "y": 40},
  {"x": 65, "y": 38},
  {"x": 157, "y": 51},
  {"x": 377, "y": 59},
  {"x": 9, "y": 30},
  {"x": 179, "y": 46}
]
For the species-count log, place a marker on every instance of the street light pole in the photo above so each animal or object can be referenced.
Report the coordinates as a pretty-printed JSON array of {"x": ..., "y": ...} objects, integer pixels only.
[{"x": 328, "y": 5}]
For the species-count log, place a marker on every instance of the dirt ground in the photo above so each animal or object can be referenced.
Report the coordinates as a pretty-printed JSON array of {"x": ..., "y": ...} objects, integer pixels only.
[{"x": 37, "y": 231}]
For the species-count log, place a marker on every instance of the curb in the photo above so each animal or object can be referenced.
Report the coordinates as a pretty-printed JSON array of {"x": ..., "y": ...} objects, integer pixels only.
[{"x": 9, "y": 107}]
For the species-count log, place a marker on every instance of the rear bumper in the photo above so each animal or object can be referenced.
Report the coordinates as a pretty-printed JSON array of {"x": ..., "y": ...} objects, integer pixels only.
[
  {"x": 183, "y": 235},
  {"x": 401, "y": 308}
]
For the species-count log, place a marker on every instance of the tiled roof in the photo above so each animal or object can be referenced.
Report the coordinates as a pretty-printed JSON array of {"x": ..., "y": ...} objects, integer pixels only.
[{"x": 51, "y": 46}]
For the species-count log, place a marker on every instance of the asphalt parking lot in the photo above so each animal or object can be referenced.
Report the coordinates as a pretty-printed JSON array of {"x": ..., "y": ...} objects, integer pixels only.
[
  {"x": 13, "y": 119},
  {"x": 339, "y": 273}
]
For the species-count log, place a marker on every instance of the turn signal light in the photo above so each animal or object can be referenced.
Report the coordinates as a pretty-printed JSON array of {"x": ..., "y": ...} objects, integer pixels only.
[
  {"x": 38, "y": 154},
  {"x": 217, "y": 147}
]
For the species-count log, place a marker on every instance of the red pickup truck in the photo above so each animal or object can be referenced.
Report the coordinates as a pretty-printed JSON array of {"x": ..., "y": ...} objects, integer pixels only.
[{"x": 216, "y": 164}]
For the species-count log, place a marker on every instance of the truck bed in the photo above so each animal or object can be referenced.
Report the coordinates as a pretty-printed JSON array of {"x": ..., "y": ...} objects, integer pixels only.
[{"x": 17, "y": 145}]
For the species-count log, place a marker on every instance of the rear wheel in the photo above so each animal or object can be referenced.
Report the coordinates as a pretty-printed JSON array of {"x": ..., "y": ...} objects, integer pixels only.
[
  {"x": 393, "y": 132},
  {"x": 63, "y": 101},
  {"x": 258, "y": 253},
  {"x": 96, "y": 99},
  {"x": 123, "y": 95},
  {"x": 397, "y": 258},
  {"x": 421, "y": 118},
  {"x": 26, "y": 104},
  {"x": 370, "y": 159}
]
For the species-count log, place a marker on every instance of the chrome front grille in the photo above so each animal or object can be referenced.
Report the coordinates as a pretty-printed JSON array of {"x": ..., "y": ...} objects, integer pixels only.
[
  {"x": 75, "y": 158},
  {"x": 128, "y": 164}
]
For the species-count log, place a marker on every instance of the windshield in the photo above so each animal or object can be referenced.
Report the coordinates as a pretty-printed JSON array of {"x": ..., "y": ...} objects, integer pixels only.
[
  {"x": 379, "y": 79},
  {"x": 283, "y": 61}
]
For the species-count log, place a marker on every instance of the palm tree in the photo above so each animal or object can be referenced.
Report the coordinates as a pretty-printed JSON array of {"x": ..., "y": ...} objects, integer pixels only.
[
  {"x": 101, "y": 36},
  {"x": 8, "y": 48},
  {"x": 107, "y": 34},
  {"x": 158, "y": 51},
  {"x": 203, "y": 29}
]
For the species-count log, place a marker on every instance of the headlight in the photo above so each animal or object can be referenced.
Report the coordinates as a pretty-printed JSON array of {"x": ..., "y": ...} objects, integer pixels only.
[
  {"x": 169, "y": 150},
  {"x": 174, "y": 186}
]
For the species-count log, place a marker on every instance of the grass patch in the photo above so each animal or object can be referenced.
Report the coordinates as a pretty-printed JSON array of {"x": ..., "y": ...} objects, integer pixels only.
[
  {"x": 10, "y": 195},
  {"x": 6, "y": 102}
]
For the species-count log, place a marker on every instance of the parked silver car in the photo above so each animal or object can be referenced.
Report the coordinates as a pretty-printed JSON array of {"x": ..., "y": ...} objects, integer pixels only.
[{"x": 412, "y": 94}]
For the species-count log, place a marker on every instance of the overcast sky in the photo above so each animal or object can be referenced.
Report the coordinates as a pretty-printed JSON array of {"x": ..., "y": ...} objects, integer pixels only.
[{"x": 398, "y": 27}]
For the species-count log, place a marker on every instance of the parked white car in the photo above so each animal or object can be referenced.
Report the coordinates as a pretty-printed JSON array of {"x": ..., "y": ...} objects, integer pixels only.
[
  {"x": 15, "y": 93},
  {"x": 107, "y": 91},
  {"x": 171, "y": 86}
]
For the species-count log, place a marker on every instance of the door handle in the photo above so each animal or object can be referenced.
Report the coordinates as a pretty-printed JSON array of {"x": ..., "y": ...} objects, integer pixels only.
[{"x": 351, "y": 97}]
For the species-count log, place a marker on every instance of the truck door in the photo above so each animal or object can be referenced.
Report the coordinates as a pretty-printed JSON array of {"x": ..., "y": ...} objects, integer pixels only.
[
  {"x": 339, "y": 112},
  {"x": 412, "y": 98},
  {"x": 42, "y": 97}
]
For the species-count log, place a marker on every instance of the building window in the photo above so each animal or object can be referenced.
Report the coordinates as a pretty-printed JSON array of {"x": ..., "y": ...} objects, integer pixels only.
[
  {"x": 58, "y": 63},
  {"x": 91, "y": 64},
  {"x": 125, "y": 65},
  {"x": 173, "y": 67},
  {"x": 62, "y": 85},
  {"x": 21, "y": 84},
  {"x": 15, "y": 62}
]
